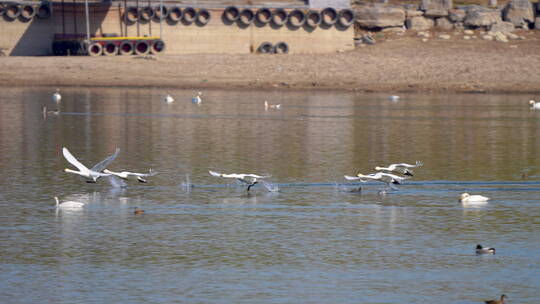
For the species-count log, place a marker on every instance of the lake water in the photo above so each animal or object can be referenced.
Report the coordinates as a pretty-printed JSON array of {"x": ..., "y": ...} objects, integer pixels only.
[{"x": 314, "y": 241}]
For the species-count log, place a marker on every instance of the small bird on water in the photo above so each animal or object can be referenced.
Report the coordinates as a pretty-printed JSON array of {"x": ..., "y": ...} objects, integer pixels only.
[
  {"x": 197, "y": 99},
  {"x": 484, "y": 250},
  {"x": 501, "y": 301},
  {"x": 56, "y": 96},
  {"x": 534, "y": 105},
  {"x": 138, "y": 211},
  {"x": 271, "y": 106},
  {"x": 168, "y": 98}
]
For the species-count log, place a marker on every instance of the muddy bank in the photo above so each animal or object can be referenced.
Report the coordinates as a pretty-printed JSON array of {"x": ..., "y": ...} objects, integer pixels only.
[{"x": 393, "y": 64}]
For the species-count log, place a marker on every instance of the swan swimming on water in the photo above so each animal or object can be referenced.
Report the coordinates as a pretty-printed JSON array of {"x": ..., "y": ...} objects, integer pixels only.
[
  {"x": 248, "y": 179},
  {"x": 197, "y": 99},
  {"x": 534, "y": 105},
  {"x": 56, "y": 97},
  {"x": 93, "y": 173},
  {"x": 126, "y": 175},
  {"x": 68, "y": 204},
  {"x": 402, "y": 168},
  {"x": 468, "y": 199},
  {"x": 168, "y": 98}
]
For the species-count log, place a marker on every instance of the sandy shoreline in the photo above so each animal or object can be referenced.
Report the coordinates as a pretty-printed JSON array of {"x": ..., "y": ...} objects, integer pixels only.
[{"x": 398, "y": 64}]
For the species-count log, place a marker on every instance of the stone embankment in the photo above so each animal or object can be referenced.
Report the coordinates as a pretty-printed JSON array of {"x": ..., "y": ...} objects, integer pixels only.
[{"x": 495, "y": 23}]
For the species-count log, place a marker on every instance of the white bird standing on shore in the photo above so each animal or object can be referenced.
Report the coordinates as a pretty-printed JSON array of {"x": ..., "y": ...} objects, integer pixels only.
[
  {"x": 248, "y": 179},
  {"x": 68, "y": 204},
  {"x": 271, "y": 106},
  {"x": 168, "y": 98},
  {"x": 534, "y": 105},
  {"x": 93, "y": 173},
  {"x": 197, "y": 99},
  {"x": 393, "y": 98},
  {"x": 402, "y": 168},
  {"x": 468, "y": 199},
  {"x": 386, "y": 178},
  {"x": 56, "y": 97},
  {"x": 126, "y": 175},
  {"x": 484, "y": 250}
]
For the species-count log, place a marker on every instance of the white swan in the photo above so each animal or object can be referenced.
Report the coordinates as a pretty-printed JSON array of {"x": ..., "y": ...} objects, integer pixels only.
[
  {"x": 197, "y": 99},
  {"x": 271, "y": 106},
  {"x": 402, "y": 168},
  {"x": 68, "y": 204},
  {"x": 56, "y": 97},
  {"x": 93, "y": 173},
  {"x": 126, "y": 175},
  {"x": 484, "y": 250},
  {"x": 168, "y": 98},
  {"x": 467, "y": 199},
  {"x": 248, "y": 179},
  {"x": 386, "y": 178},
  {"x": 534, "y": 105},
  {"x": 393, "y": 98}
]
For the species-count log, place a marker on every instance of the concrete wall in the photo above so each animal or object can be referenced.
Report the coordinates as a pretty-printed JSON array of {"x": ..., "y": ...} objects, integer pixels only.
[{"x": 35, "y": 37}]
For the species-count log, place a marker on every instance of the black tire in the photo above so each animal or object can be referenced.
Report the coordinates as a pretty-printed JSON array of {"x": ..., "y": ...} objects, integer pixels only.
[
  {"x": 95, "y": 49},
  {"x": 12, "y": 11},
  {"x": 175, "y": 14},
  {"x": 313, "y": 19},
  {"x": 157, "y": 13},
  {"x": 281, "y": 48},
  {"x": 126, "y": 48},
  {"x": 231, "y": 14},
  {"x": 346, "y": 17},
  {"x": 264, "y": 15},
  {"x": 142, "y": 47},
  {"x": 279, "y": 17},
  {"x": 146, "y": 14},
  {"x": 157, "y": 47},
  {"x": 203, "y": 17},
  {"x": 189, "y": 15},
  {"x": 246, "y": 16},
  {"x": 27, "y": 12},
  {"x": 297, "y": 18},
  {"x": 132, "y": 14},
  {"x": 110, "y": 49},
  {"x": 266, "y": 48},
  {"x": 329, "y": 16},
  {"x": 43, "y": 11}
]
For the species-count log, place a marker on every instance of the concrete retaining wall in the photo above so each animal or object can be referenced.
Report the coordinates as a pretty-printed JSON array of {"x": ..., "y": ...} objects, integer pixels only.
[{"x": 35, "y": 37}]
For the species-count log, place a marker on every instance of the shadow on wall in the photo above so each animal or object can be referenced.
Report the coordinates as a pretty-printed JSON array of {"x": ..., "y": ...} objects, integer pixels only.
[{"x": 34, "y": 37}]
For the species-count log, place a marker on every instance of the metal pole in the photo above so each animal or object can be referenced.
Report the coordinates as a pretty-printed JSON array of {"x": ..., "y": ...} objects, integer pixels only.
[
  {"x": 87, "y": 20},
  {"x": 160, "y": 18}
]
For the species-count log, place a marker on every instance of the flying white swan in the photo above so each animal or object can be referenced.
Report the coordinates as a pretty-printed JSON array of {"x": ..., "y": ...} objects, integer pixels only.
[
  {"x": 93, "y": 173},
  {"x": 126, "y": 175},
  {"x": 271, "y": 106},
  {"x": 248, "y": 179},
  {"x": 534, "y": 105},
  {"x": 168, "y": 98},
  {"x": 197, "y": 99},
  {"x": 402, "y": 168},
  {"x": 484, "y": 250},
  {"x": 386, "y": 178},
  {"x": 467, "y": 199},
  {"x": 68, "y": 204},
  {"x": 56, "y": 97}
]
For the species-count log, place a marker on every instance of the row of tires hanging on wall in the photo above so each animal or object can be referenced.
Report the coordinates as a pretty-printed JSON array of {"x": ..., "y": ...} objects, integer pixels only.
[
  {"x": 244, "y": 17},
  {"x": 24, "y": 12},
  {"x": 109, "y": 47}
]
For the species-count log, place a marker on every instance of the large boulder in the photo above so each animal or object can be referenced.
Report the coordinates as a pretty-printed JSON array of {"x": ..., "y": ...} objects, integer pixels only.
[
  {"x": 379, "y": 16},
  {"x": 436, "y": 8},
  {"x": 420, "y": 23},
  {"x": 443, "y": 23},
  {"x": 456, "y": 15},
  {"x": 503, "y": 27},
  {"x": 519, "y": 12},
  {"x": 482, "y": 17}
]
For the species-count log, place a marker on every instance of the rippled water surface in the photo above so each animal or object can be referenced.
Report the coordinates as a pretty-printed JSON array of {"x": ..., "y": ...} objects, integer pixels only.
[{"x": 316, "y": 240}]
